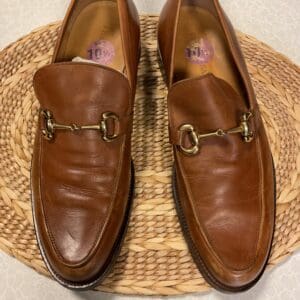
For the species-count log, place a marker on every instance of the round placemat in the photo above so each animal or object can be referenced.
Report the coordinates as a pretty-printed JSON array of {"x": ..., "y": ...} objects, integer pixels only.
[{"x": 154, "y": 259}]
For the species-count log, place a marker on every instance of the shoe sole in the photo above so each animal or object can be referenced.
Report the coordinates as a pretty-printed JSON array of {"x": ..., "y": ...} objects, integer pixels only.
[{"x": 113, "y": 255}]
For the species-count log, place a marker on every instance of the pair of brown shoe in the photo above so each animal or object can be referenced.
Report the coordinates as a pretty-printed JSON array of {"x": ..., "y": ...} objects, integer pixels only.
[{"x": 82, "y": 172}]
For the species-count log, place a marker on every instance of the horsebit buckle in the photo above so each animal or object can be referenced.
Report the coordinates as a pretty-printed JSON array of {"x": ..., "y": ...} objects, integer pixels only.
[
  {"x": 195, "y": 137},
  {"x": 51, "y": 126}
]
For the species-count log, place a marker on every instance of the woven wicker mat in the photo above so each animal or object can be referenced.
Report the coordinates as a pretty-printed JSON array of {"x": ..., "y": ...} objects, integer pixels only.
[{"x": 154, "y": 259}]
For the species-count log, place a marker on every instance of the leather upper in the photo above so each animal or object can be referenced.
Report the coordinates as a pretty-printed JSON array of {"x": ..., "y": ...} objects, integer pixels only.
[
  {"x": 77, "y": 168},
  {"x": 81, "y": 183},
  {"x": 226, "y": 191}
]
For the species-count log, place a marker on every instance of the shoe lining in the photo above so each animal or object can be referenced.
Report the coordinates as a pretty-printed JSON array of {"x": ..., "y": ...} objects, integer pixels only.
[
  {"x": 202, "y": 48},
  {"x": 94, "y": 33}
]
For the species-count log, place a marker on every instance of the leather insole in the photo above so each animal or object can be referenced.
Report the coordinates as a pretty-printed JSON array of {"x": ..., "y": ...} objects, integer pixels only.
[
  {"x": 201, "y": 48},
  {"x": 94, "y": 33}
]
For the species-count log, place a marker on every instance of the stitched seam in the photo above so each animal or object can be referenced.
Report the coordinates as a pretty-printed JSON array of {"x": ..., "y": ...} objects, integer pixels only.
[
  {"x": 230, "y": 40},
  {"x": 51, "y": 236},
  {"x": 56, "y": 275},
  {"x": 42, "y": 180},
  {"x": 174, "y": 39},
  {"x": 261, "y": 180},
  {"x": 207, "y": 237},
  {"x": 189, "y": 198},
  {"x": 108, "y": 215},
  {"x": 259, "y": 162},
  {"x": 194, "y": 249},
  {"x": 98, "y": 235}
]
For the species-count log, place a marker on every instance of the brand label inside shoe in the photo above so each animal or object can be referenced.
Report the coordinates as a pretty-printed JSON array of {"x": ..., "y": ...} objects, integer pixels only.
[
  {"x": 101, "y": 52},
  {"x": 200, "y": 52}
]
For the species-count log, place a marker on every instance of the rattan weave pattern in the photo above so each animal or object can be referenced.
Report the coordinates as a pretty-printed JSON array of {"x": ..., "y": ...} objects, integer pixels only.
[{"x": 154, "y": 259}]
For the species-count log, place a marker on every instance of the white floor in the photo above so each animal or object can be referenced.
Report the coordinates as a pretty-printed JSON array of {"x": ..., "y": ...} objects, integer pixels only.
[
  {"x": 18, "y": 282},
  {"x": 275, "y": 22}
]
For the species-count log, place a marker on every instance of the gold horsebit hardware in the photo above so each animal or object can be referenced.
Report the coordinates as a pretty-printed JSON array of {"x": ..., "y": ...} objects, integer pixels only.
[
  {"x": 51, "y": 126},
  {"x": 243, "y": 129}
]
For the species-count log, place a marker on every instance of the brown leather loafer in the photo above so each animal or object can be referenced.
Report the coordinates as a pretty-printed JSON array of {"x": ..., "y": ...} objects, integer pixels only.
[
  {"x": 223, "y": 175},
  {"x": 82, "y": 177}
]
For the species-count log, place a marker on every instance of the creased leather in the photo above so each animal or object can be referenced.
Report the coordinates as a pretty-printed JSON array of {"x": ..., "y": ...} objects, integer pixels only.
[
  {"x": 80, "y": 183},
  {"x": 79, "y": 172},
  {"x": 226, "y": 191},
  {"x": 212, "y": 104}
]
